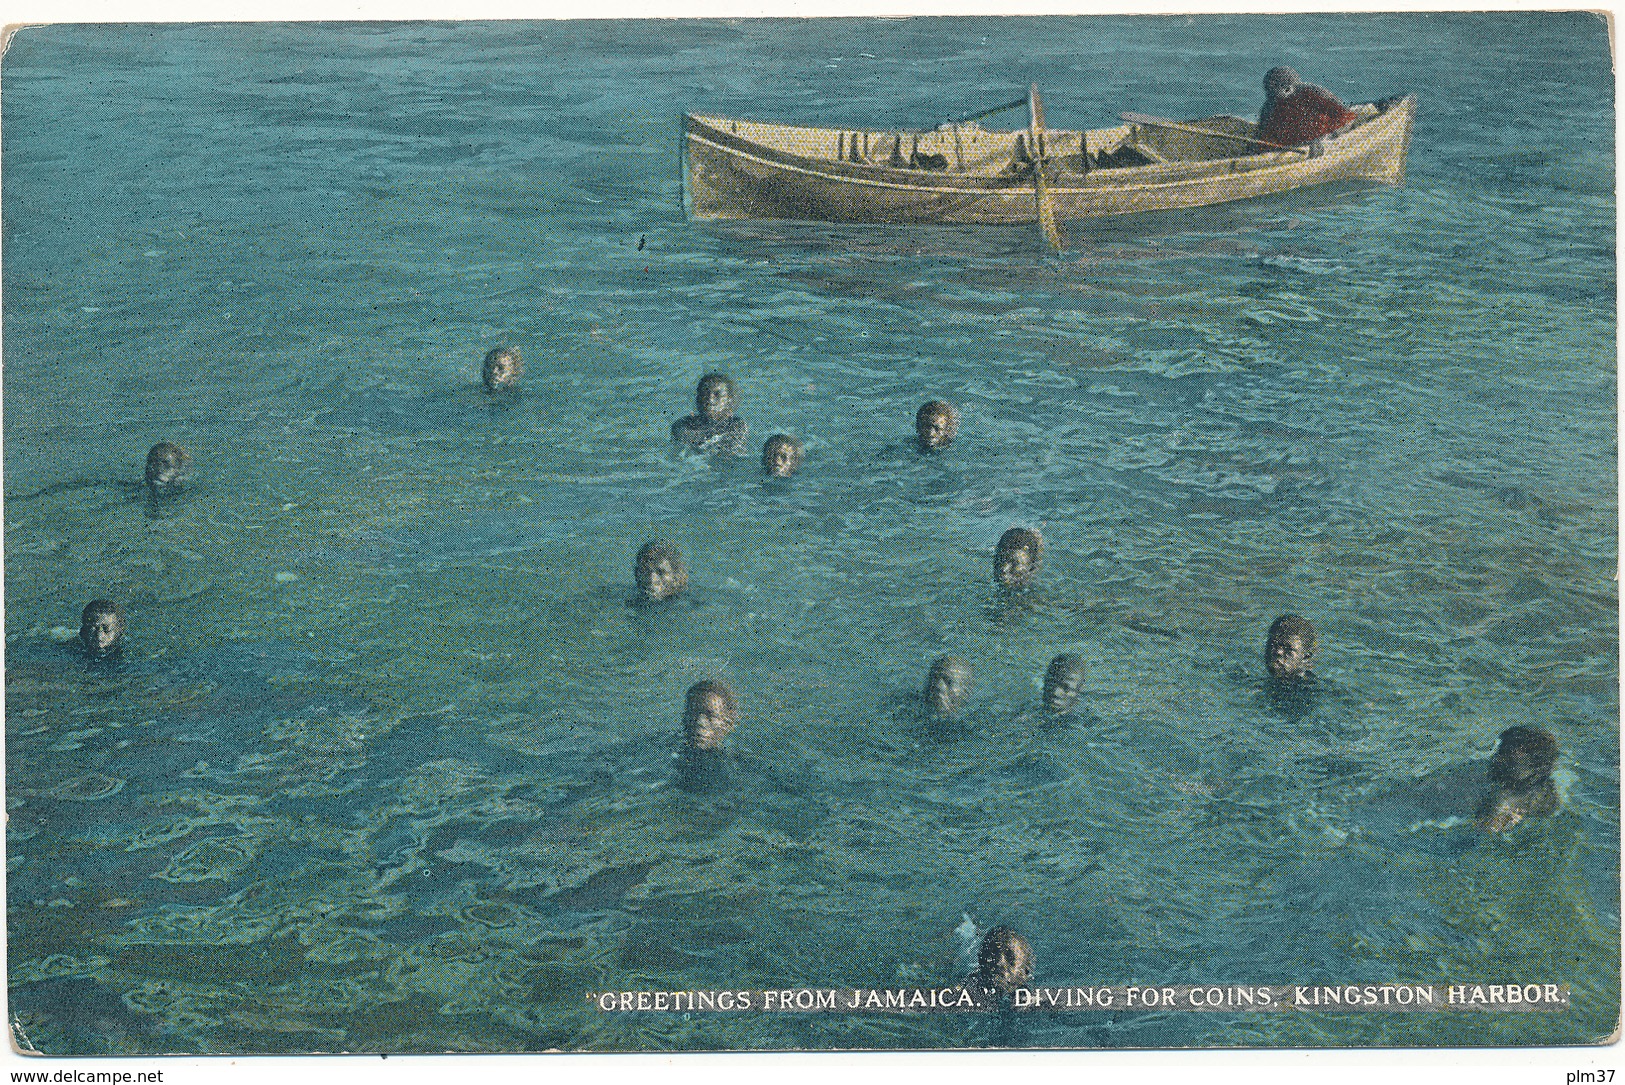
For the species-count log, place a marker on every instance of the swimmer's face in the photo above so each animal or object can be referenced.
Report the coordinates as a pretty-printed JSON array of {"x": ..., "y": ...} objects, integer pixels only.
[
  {"x": 780, "y": 457},
  {"x": 503, "y": 369},
  {"x": 167, "y": 467},
  {"x": 707, "y": 719},
  {"x": 714, "y": 401},
  {"x": 101, "y": 629},
  {"x": 1018, "y": 556},
  {"x": 935, "y": 426},
  {"x": 658, "y": 579},
  {"x": 1287, "y": 656},
  {"x": 1005, "y": 961},
  {"x": 660, "y": 573},
  {"x": 1290, "y": 647},
  {"x": 502, "y": 373},
  {"x": 947, "y": 686},
  {"x": 1015, "y": 566},
  {"x": 934, "y": 431},
  {"x": 1062, "y": 683},
  {"x": 1501, "y": 813}
]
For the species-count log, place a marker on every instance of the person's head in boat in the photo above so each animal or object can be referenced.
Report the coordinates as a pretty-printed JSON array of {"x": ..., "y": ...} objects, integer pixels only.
[
  {"x": 1290, "y": 647},
  {"x": 502, "y": 369},
  {"x": 1280, "y": 82},
  {"x": 168, "y": 468},
  {"x": 947, "y": 685},
  {"x": 659, "y": 571},
  {"x": 101, "y": 628},
  {"x": 1004, "y": 962},
  {"x": 1018, "y": 557},
  {"x": 936, "y": 424},
  {"x": 1520, "y": 779},
  {"x": 710, "y": 711},
  {"x": 782, "y": 455},
  {"x": 1063, "y": 681}
]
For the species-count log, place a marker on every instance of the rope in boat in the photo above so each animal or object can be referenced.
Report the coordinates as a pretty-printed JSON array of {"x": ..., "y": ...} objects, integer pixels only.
[{"x": 1017, "y": 104}]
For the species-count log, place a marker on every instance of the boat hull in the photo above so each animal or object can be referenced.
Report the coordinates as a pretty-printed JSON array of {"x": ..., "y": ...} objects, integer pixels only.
[{"x": 733, "y": 170}]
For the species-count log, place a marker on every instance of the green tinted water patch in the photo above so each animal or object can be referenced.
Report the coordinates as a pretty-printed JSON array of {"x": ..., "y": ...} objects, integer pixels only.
[{"x": 1506, "y": 918}]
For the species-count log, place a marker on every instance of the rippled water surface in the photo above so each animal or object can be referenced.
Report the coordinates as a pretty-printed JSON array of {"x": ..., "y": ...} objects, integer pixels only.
[{"x": 387, "y": 764}]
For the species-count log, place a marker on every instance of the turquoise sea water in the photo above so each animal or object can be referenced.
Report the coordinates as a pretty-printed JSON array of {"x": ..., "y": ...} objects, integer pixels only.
[{"x": 387, "y": 764}]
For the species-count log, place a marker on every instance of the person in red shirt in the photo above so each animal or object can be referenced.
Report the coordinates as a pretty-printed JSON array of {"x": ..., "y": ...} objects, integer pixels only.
[{"x": 1296, "y": 112}]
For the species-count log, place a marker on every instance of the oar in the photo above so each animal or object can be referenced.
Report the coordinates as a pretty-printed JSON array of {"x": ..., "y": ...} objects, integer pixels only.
[
  {"x": 1047, "y": 220},
  {"x": 1017, "y": 104},
  {"x": 1163, "y": 122}
]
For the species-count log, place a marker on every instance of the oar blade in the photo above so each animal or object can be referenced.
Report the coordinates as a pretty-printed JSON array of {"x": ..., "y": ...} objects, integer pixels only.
[{"x": 1048, "y": 220}]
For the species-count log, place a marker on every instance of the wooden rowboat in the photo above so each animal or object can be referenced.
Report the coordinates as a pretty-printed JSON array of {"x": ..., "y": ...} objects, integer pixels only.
[{"x": 966, "y": 174}]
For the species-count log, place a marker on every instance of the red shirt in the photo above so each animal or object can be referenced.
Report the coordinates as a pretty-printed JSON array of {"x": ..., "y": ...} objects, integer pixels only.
[{"x": 1306, "y": 114}]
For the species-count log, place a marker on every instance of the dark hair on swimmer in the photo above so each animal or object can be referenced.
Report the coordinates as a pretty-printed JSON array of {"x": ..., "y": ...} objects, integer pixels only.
[
  {"x": 1525, "y": 754},
  {"x": 1005, "y": 960},
  {"x": 97, "y": 608},
  {"x": 655, "y": 549},
  {"x": 502, "y": 369},
  {"x": 1290, "y": 646},
  {"x": 1023, "y": 537},
  {"x": 1294, "y": 625},
  {"x": 1061, "y": 666},
  {"x": 941, "y": 435},
  {"x": 168, "y": 465},
  {"x": 771, "y": 460},
  {"x": 700, "y": 732}
]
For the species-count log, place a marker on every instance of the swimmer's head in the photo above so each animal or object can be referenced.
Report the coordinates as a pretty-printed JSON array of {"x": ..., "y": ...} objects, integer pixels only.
[
  {"x": 782, "y": 455},
  {"x": 1280, "y": 82},
  {"x": 1525, "y": 755},
  {"x": 660, "y": 571},
  {"x": 1018, "y": 557},
  {"x": 716, "y": 398},
  {"x": 1005, "y": 961},
  {"x": 1290, "y": 647},
  {"x": 101, "y": 627},
  {"x": 502, "y": 369},
  {"x": 168, "y": 467},
  {"x": 947, "y": 685},
  {"x": 936, "y": 424},
  {"x": 709, "y": 713},
  {"x": 1062, "y": 683}
]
